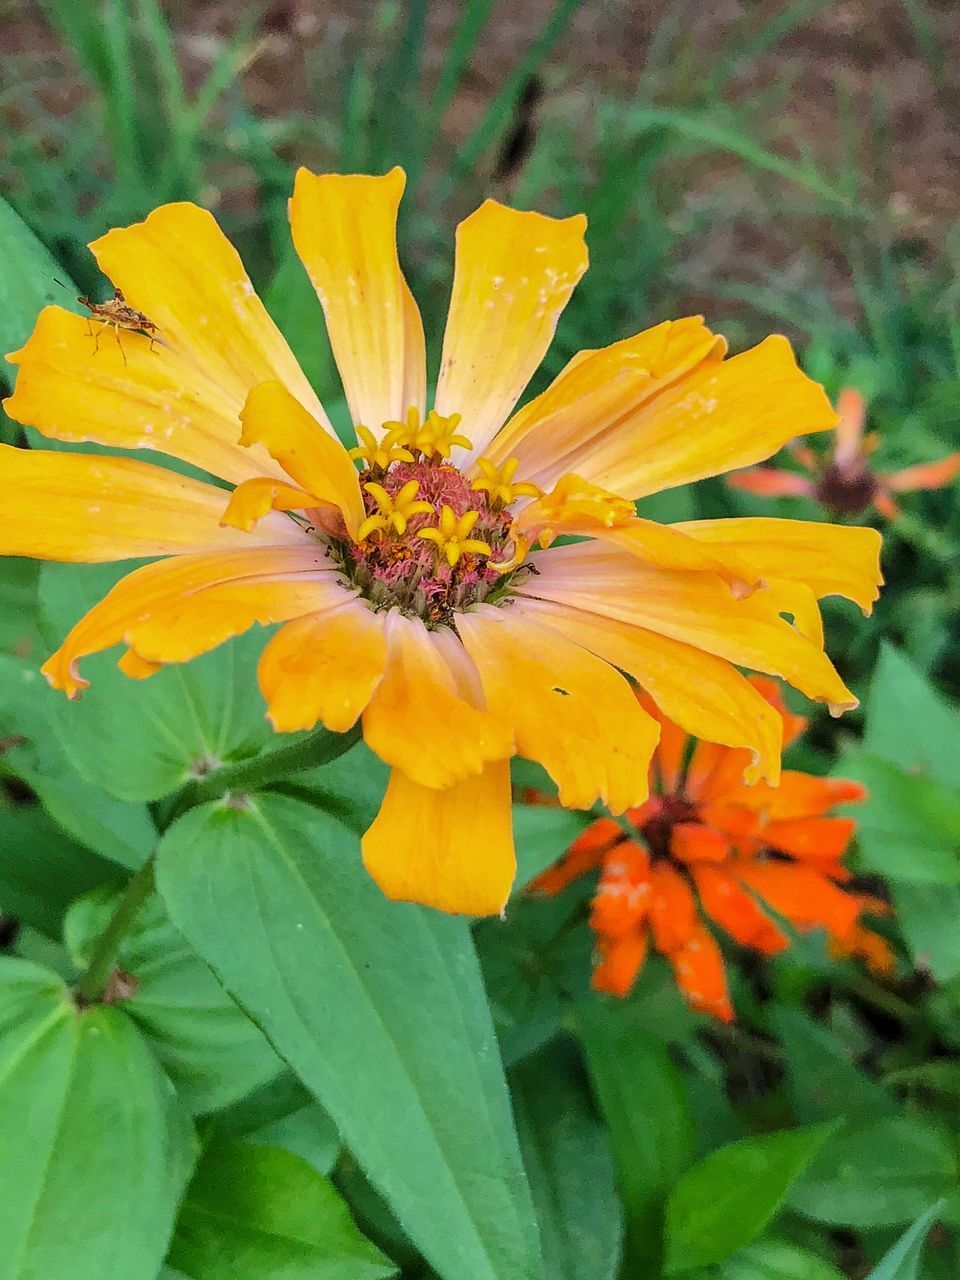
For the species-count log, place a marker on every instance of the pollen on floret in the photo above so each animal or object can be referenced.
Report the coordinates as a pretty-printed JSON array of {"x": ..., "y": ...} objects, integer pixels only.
[{"x": 432, "y": 541}]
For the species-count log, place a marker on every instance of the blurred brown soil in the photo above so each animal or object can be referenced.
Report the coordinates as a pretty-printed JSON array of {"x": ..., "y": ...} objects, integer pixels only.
[{"x": 861, "y": 58}]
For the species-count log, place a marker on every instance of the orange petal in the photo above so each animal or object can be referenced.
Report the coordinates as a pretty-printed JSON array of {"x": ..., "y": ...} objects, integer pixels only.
[
  {"x": 514, "y": 273},
  {"x": 325, "y": 667},
  {"x": 584, "y": 854},
  {"x": 848, "y": 441},
  {"x": 619, "y": 962},
  {"x": 671, "y": 749},
  {"x": 622, "y": 900},
  {"x": 673, "y": 911},
  {"x": 83, "y": 508},
  {"x": 704, "y": 695},
  {"x": 714, "y": 771},
  {"x": 925, "y": 475},
  {"x": 179, "y": 268},
  {"x": 173, "y": 610},
  {"x": 737, "y": 911},
  {"x": 345, "y": 231},
  {"x": 130, "y": 396},
  {"x": 421, "y": 721},
  {"x": 316, "y": 461},
  {"x": 830, "y": 559},
  {"x": 451, "y": 849},
  {"x": 723, "y": 415},
  {"x": 699, "y": 970},
  {"x": 802, "y": 795},
  {"x": 692, "y": 842},
  {"x": 820, "y": 838},
  {"x": 863, "y": 944},
  {"x": 803, "y": 896},
  {"x": 793, "y": 725},
  {"x": 772, "y": 483},
  {"x": 593, "y": 402},
  {"x": 570, "y": 711},
  {"x": 695, "y": 608}
]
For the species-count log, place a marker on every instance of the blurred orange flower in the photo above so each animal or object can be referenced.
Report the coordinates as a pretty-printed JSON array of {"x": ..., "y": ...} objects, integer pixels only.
[
  {"x": 707, "y": 845},
  {"x": 844, "y": 482}
]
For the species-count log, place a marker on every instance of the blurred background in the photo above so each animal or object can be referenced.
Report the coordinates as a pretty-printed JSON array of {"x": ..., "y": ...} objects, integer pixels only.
[
  {"x": 790, "y": 167},
  {"x": 775, "y": 166}
]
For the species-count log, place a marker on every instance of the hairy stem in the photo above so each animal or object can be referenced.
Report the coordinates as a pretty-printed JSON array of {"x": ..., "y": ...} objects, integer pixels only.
[{"x": 92, "y": 985}]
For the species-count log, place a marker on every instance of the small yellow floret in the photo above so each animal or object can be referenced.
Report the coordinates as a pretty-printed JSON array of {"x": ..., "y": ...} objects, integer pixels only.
[
  {"x": 378, "y": 455},
  {"x": 435, "y": 436},
  {"x": 394, "y": 511},
  {"x": 499, "y": 485},
  {"x": 452, "y": 536}
]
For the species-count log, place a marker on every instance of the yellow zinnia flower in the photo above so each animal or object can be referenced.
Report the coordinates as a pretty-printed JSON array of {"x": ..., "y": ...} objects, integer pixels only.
[{"x": 457, "y": 649}]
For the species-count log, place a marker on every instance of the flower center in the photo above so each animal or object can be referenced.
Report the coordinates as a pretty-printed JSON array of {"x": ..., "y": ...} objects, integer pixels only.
[{"x": 434, "y": 541}]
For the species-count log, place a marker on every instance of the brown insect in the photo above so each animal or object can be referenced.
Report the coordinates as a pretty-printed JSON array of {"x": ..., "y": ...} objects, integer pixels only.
[{"x": 116, "y": 314}]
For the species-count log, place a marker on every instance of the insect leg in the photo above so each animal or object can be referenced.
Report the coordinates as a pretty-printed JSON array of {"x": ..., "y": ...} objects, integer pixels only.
[{"x": 116, "y": 330}]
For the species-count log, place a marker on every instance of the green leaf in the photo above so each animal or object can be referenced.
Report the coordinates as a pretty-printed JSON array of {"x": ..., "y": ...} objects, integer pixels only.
[
  {"x": 776, "y": 1260},
  {"x": 265, "y": 1213},
  {"x": 124, "y": 833},
  {"x": 908, "y": 723},
  {"x": 642, "y": 1098},
  {"x": 567, "y": 1157},
  {"x": 308, "y": 1132},
  {"x": 210, "y": 1049},
  {"x": 880, "y": 1174},
  {"x": 91, "y": 1187},
  {"x": 28, "y": 283},
  {"x": 18, "y": 597},
  {"x": 380, "y": 1010},
  {"x": 42, "y": 870},
  {"x": 909, "y": 827},
  {"x": 729, "y": 1197},
  {"x": 902, "y": 1261},
  {"x": 927, "y": 915},
  {"x": 823, "y": 1083},
  {"x": 140, "y": 740}
]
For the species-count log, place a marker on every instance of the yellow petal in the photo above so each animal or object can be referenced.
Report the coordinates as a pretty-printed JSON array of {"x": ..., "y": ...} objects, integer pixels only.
[
  {"x": 83, "y": 508},
  {"x": 253, "y": 499},
  {"x": 449, "y": 849},
  {"x": 345, "y": 231},
  {"x": 316, "y": 461},
  {"x": 704, "y": 695},
  {"x": 576, "y": 507},
  {"x": 593, "y": 400},
  {"x": 831, "y": 559},
  {"x": 181, "y": 271},
  {"x": 134, "y": 398},
  {"x": 514, "y": 274},
  {"x": 323, "y": 667},
  {"x": 571, "y": 712},
  {"x": 178, "y": 608},
  {"x": 695, "y": 608},
  {"x": 721, "y": 415},
  {"x": 419, "y": 719}
]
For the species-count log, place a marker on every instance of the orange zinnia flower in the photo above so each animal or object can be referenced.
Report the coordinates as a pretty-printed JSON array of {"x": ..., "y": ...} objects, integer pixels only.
[
  {"x": 410, "y": 593},
  {"x": 845, "y": 483},
  {"x": 705, "y": 844}
]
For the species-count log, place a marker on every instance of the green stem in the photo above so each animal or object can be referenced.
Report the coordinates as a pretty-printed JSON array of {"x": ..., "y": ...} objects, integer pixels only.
[
  {"x": 94, "y": 981},
  {"x": 273, "y": 766}
]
